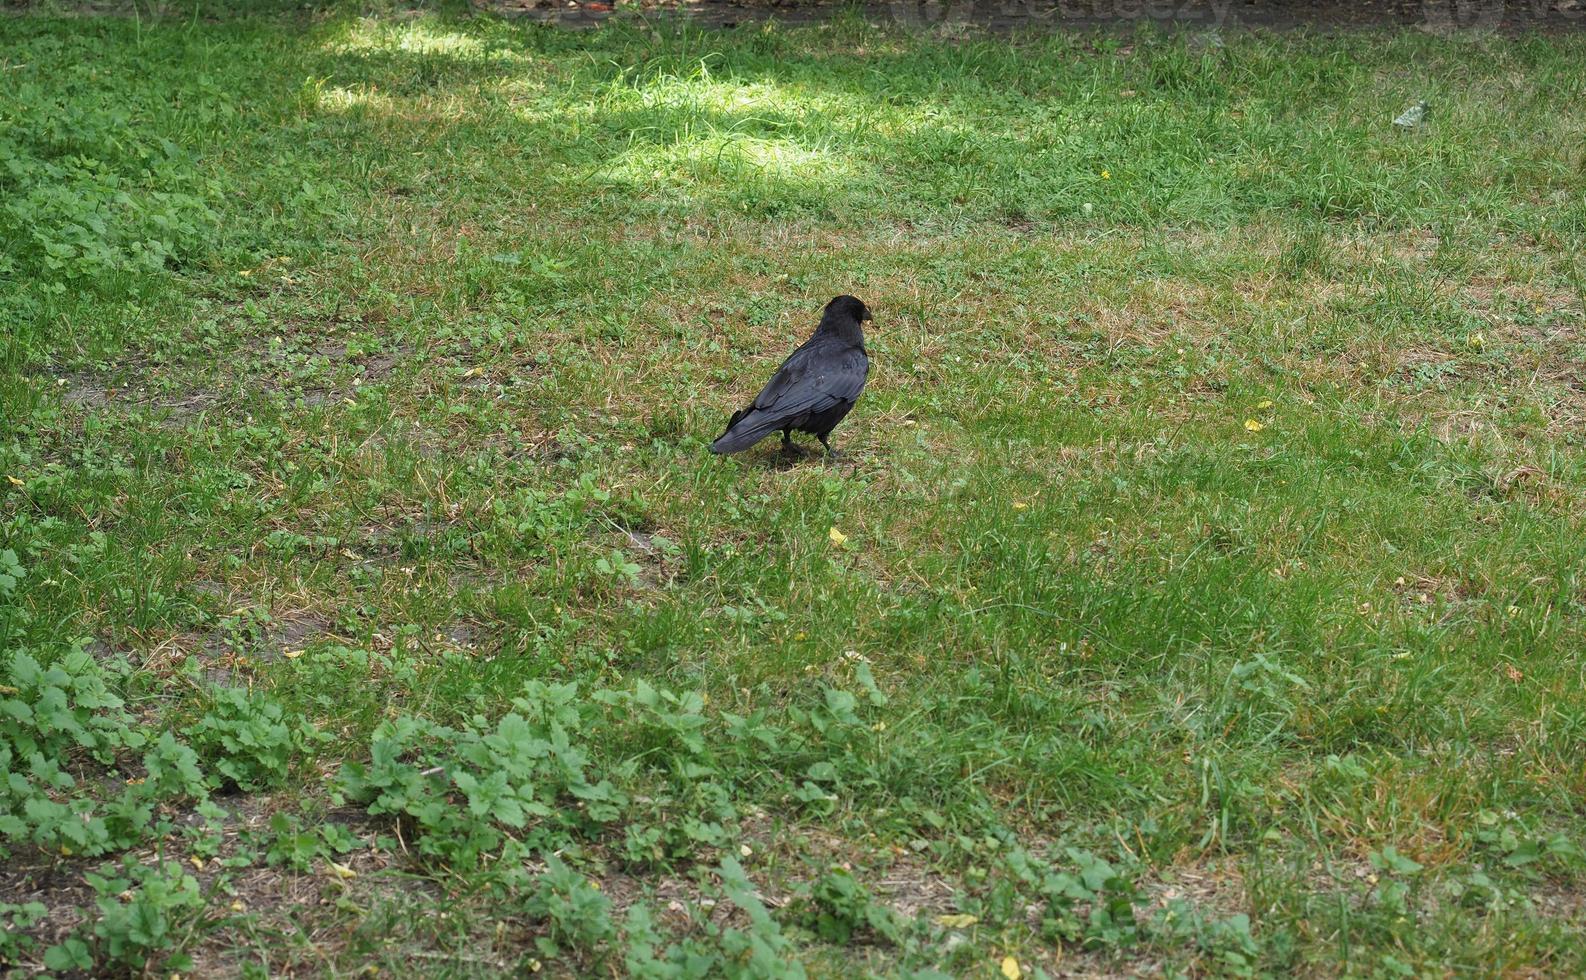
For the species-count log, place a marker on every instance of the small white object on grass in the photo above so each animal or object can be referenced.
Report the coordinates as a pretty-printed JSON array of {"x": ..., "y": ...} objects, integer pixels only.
[{"x": 1413, "y": 116}]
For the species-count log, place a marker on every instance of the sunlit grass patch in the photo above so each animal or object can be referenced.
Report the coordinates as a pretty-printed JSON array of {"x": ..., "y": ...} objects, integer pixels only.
[
  {"x": 420, "y": 36},
  {"x": 759, "y": 170}
]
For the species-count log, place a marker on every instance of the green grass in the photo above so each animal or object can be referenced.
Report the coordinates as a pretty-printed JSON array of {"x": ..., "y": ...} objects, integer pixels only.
[{"x": 1212, "y": 595}]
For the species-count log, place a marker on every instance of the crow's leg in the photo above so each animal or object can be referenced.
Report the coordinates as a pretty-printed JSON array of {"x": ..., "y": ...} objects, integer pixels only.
[
  {"x": 787, "y": 441},
  {"x": 824, "y": 437}
]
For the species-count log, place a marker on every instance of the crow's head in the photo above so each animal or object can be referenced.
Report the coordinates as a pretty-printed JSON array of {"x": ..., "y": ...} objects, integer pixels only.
[{"x": 848, "y": 308}]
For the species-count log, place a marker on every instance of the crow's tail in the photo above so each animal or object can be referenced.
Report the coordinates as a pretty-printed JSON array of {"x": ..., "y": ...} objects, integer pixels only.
[{"x": 746, "y": 428}]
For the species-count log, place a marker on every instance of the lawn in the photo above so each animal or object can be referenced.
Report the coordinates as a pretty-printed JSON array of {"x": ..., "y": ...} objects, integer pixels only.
[{"x": 1201, "y": 588}]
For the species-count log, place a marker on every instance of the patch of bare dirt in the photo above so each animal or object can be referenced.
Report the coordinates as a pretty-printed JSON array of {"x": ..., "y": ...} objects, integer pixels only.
[
  {"x": 899, "y": 877},
  {"x": 653, "y": 561},
  {"x": 225, "y": 654},
  {"x": 265, "y": 895},
  {"x": 97, "y": 392},
  {"x": 292, "y": 634},
  {"x": 1216, "y": 886},
  {"x": 1431, "y": 589},
  {"x": 1561, "y": 900},
  {"x": 387, "y": 543},
  {"x": 83, "y": 390},
  {"x": 320, "y": 369}
]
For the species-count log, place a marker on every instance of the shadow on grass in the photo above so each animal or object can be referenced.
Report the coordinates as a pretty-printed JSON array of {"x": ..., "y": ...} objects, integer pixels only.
[{"x": 1063, "y": 127}]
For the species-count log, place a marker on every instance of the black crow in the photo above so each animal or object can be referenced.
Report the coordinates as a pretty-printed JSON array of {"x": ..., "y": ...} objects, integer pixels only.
[{"x": 813, "y": 389}]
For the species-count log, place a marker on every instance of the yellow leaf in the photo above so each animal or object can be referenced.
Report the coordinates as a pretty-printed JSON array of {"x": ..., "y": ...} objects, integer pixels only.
[
  {"x": 341, "y": 870},
  {"x": 1264, "y": 404},
  {"x": 1252, "y": 425},
  {"x": 1010, "y": 968},
  {"x": 957, "y": 921},
  {"x": 198, "y": 862},
  {"x": 1020, "y": 505},
  {"x": 291, "y": 654},
  {"x": 837, "y": 537},
  {"x": 1476, "y": 341},
  {"x": 15, "y": 482},
  {"x": 236, "y": 906}
]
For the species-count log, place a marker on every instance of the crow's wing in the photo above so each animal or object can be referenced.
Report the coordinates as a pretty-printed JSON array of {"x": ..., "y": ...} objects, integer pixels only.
[{"x": 814, "y": 378}]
